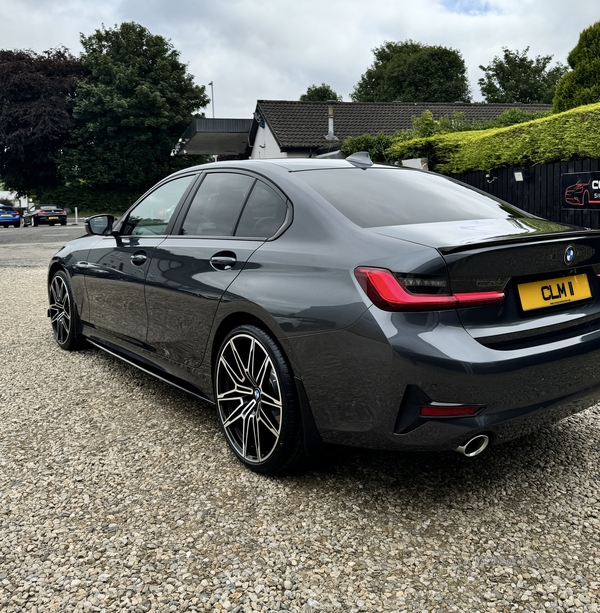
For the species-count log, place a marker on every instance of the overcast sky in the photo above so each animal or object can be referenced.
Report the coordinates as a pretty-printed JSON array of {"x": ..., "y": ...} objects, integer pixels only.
[{"x": 275, "y": 49}]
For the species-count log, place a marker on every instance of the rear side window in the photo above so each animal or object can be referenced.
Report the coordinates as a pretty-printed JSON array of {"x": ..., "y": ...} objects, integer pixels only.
[
  {"x": 378, "y": 197},
  {"x": 217, "y": 204},
  {"x": 263, "y": 214}
]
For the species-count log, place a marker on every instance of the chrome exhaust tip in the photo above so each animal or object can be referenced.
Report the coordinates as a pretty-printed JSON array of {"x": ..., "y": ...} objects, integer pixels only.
[{"x": 474, "y": 446}]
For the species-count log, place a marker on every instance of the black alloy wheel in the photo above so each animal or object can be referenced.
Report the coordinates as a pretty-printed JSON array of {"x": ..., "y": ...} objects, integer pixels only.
[
  {"x": 256, "y": 401},
  {"x": 63, "y": 314}
]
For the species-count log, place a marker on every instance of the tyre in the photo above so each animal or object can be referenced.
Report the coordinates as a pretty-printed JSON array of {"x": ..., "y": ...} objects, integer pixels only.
[
  {"x": 256, "y": 401},
  {"x": 18, "y": 225},
  {"x": 63, "y": 313},
  {"x": 34, "y": 222},
  {"x": 63, "y": 223}
]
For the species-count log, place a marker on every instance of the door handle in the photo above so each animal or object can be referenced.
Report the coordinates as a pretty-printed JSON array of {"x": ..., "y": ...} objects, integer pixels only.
[
  {"x": 138, "y": 258},
  {"x": 223, "y": 262}
]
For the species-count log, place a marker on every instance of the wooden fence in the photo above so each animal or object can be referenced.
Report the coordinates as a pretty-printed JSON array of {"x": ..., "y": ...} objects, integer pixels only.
[{"x": 539, "y": 192}]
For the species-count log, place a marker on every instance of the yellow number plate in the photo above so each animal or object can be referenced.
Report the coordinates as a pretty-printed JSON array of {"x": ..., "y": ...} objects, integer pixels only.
[{"x": 540, "y": 294}]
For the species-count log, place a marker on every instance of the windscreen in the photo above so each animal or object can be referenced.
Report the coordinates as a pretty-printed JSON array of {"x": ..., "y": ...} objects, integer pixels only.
[{"x": 378, "y": 197}]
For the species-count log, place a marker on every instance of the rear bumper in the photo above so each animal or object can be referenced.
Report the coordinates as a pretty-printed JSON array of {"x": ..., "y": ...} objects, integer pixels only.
[
  {"x": 46, "y": 220},
  {"x": 363, "y": 399}
]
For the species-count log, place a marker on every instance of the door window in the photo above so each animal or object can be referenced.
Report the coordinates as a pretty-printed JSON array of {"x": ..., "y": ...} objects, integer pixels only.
[
  {"x": 217, "y": 205},
  {"x": 263, "y": 214},
  {"x": 151, "y": 216}
]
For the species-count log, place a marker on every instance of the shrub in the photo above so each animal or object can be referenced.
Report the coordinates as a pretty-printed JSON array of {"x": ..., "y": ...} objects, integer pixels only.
[{"x": 565, "y": 136}]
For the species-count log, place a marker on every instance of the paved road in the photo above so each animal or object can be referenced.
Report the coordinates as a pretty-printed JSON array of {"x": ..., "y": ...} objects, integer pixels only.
[{"x": 34, "y": 246}]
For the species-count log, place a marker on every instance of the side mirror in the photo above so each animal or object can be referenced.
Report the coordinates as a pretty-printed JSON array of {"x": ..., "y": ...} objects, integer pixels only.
[{"x": 100, "y": 225}]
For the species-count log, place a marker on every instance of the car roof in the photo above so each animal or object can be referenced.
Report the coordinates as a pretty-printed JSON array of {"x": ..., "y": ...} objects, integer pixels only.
[{"x": 290, "y": 164}]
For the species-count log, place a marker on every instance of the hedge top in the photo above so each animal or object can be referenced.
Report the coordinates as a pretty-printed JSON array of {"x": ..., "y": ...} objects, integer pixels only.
[{"x": 574, "y": 134}]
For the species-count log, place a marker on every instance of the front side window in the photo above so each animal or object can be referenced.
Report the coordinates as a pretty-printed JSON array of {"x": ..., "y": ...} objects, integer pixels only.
[
  {"x": 153, "y": 213},
  {"x": 217, "y": 205}
]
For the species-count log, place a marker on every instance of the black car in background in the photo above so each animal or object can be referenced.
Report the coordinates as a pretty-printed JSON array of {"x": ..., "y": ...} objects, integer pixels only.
[
  {"x": 45, "y": 214},
  {"x": 9, "y": 216},
  {"x": 341, "y": 301}
]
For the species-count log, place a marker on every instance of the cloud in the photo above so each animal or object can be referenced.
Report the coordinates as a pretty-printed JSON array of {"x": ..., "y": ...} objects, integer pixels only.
[{"x": 257, "y": 49}]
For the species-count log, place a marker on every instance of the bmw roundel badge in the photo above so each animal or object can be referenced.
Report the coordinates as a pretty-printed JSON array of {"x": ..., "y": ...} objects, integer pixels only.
[{"x": 569, "y": 255}]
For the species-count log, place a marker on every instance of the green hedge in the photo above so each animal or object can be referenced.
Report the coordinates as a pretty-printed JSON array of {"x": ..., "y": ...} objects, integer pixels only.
[{"x": 571, "y": 135}]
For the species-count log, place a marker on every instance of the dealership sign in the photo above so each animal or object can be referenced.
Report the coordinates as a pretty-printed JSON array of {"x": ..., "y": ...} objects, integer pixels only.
[{"x": 580, "y": 190}]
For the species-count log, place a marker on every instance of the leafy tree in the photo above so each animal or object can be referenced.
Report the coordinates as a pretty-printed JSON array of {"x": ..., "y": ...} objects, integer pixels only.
[
  {"x": 581, "y": 85},
  {"x": 36, "y": 101},
  {"x": 320, "y": 93},
  {"x": 517, "y": 78},
  {"x": 137, "y": 103},
  {"x": 413, "y": 72}
]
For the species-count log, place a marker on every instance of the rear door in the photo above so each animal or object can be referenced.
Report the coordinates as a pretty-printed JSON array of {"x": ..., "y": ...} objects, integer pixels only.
[{"x": 230, "y": 216}]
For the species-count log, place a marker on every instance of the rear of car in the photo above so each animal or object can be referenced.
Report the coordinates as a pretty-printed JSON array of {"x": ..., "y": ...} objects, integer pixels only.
[
  {"x": 47, "y": 214},
  {"x": 9, "y": 216},
  {"x": 493, "y": 333}
]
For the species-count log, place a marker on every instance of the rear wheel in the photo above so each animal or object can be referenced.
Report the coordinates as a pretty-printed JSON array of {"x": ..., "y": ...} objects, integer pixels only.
[
  {"x": 256, "y": 401},
  {"x": 34, "y": 222},
  {"x": 63, "y": 314}
]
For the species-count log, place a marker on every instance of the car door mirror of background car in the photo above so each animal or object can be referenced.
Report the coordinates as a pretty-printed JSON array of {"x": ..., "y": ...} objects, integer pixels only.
[{"x": 100, "y": 225}]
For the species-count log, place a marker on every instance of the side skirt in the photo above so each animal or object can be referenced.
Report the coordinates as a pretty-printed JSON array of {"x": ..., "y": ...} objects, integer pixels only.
[{"x": 178, "y": 383}]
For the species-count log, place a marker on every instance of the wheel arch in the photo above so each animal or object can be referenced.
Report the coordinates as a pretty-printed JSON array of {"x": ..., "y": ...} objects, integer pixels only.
[
  {"x": 232, "y": 320},
  {"x": 53, "y": 268}
]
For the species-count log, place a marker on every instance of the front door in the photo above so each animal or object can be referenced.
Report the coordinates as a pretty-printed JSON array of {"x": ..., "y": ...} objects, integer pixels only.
[{"x": 117, "y": 266}]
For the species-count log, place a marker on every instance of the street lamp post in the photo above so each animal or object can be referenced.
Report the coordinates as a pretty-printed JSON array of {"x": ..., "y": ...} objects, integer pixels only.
[{"x": 212, "y": 98}]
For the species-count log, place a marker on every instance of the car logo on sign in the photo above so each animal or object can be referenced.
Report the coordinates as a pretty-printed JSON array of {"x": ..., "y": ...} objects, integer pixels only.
[{"x": 569, "y": 255}]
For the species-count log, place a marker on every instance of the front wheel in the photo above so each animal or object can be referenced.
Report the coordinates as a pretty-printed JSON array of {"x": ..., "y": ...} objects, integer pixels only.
[
  {"x": 63, "y": 314},
  {"x": 256, "y": 401}
]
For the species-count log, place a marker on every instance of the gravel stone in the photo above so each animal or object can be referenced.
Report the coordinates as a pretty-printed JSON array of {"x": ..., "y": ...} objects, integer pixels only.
[{"x": 118, "y": 493}]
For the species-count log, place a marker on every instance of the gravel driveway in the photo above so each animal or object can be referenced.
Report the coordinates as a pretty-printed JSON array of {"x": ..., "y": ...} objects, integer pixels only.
[{"x": 117, "y": 493}]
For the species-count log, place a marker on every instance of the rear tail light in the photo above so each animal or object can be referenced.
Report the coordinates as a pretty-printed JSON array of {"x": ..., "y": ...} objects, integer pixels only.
[{"x": 388, "y": 293}]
